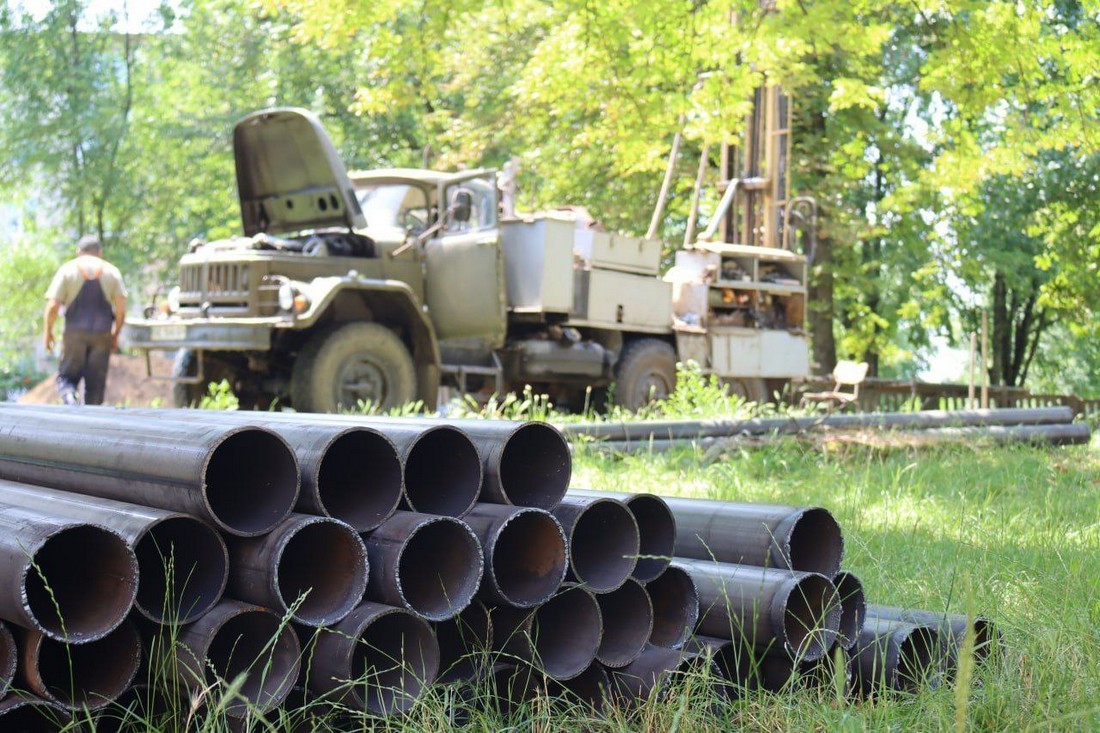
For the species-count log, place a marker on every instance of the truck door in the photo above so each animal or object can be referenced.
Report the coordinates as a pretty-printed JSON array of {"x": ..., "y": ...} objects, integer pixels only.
[{"x": 465, "y": 264}]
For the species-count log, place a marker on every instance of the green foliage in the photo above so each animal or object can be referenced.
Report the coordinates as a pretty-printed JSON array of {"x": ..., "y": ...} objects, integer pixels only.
[
  {"x": 219, "y": 396},
  {"x": 26, "y": 268}
]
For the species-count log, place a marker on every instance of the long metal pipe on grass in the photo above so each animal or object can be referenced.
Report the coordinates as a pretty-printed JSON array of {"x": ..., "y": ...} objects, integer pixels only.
[
  {"x": 28, "y": 715},
  {"x": 656, "y": 529},
  {"x": 79, "y": 676},
  {"x": 464, "y": 643},
  {"x": 603, "y": 541},
  {"x": 895, "y": 655},
  {"x": 560, "y": 637},
  {"x": 853, "y": 606},
  {"x": 629, "y": 614},
  {"x": 658, "y": 668},
  {"x": 675, "y": 601},
  {"x": 9, "y": 656},
  {"x": 733, "y": 660},
  {"x": 525, "y": 553},
  {"x": 591, "y": 688},
  {"x": 951, "y": 628}
]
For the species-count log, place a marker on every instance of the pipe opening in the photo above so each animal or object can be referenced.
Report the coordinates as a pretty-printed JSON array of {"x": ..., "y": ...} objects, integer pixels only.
[
  {"x": 89, "y": 675},
  {"x": 590, "y": 688},
  {"x": 529, "y": 558},
  {"x": 630, "y": 623},
  {"x": 656, "y": 534},
  {"x": 917, "y": 655},
  {"x": 566, "y": 633},
  {"x": 258, "y": 645},
  {"x": 325, "y": 564},
  {"x": 82, "y": 584},
  {"x": 30, "y": 716},
  {"x": 183, "y": 567},
  {"x": 9, "y": 657},
  {"x": 816, "y": 543},
  {"x": 442, "y": 473},
  {"x": 853, "y": 607},
  {"x": 675, "y": 607},
  {"x": 251, "y": 482},
  {"x": 393, "y": 662},
  {"x": 463, "y": 643},
  {"x": 512, "y": 686},
  {"x": 359, "y": 479},
  {"x": 157, "y": 706},
  {"x": 811, "y": 617},
  {"x": 603, "y": 546},
  {"x": 439, "y": 569},
  {"x": 985, "y": 638},
  {"x": 535, "y": 466}
]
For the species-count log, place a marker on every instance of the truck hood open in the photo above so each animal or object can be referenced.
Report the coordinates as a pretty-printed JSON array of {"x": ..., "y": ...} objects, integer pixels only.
[{"x": 289, "y": 176}]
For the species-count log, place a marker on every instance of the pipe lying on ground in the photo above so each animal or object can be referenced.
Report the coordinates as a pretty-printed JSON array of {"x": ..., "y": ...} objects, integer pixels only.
[
  {"x": 148, "y": 707},
  {"x": 656, "y": 529},
  {"x": 853, "y": 606},
  {"x": 767, "y": 535},
  {"x": 379, "y": 659},
  {"x": 603, "y": 541},
  {"x": 428, "y": 564},
  {"x": 590, "y": 688},
  {"x": 629, "y": 614},
  {"x": 798, "y": 613},
  {"x": 9, "y": 656},
  {"x": 831, "y": 673},
  {"x": 182, "y": 561},
  {"x": 28, "y": 715},
  {"x": 733, "y": 660},
  {"x": 675, "y": 601},
  {"x": 70, "y": 580},
  {"x": 656, "y": 670},
  {"x": 464, "y": 642},
  {"x": 315, "y": 567},
  {"x": 525, "y": 553},
  {"x": 560, "y": 637},
  {"x": 242, "y": 479},
  {"x": 235, "y": 639},
  {"x": 951, "y": 628},
  {"x": 79, "y": 676},
  {"x": 512, "y": 685},
  {"x": 691, "y": 429},
  {"x": 895, "y": 655}
]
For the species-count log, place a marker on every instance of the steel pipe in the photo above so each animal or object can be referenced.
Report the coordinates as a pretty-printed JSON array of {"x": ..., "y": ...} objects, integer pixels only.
[
  {"x": 823, "y": 673},
  {"x": 853, "y": 608},
  {"x": 525, "y": 553},
  {"x": 379, "y": 659},
  {"x": 630, "y": 624},
  {"x": 951, "y": 629},
  {"x": 28, "y": 715},
  {"x": 798, "y": 613},
  {"x": 182, "y": 562},
  {"x": 895, "y": 655},
  {"x": 560, "y": 637},
  {"x": 603, "y": 541},
  {"x": 591, "y": 688},
  {"x": 242, "y": 479},
  {"x": 675, "y": 601},
  {"x": 656, "y": 670},
  {"x": 9, "y": 656},
  {"x": 79, "y": 676},
  {"x": 512, "y": 686},
  {"x": 734, "y": 661},
  {"x": 145, "y": 706},
  {"x": 656, "y": 529},
  {"x": 232, "y": 640},
  {"x": 428, "y": 564},
  {"x": 314, "y": 568},
  {"x": 464, "y": 644},
  {"x": 767, "y": 535},
  {"x": 72, "y": 581}
]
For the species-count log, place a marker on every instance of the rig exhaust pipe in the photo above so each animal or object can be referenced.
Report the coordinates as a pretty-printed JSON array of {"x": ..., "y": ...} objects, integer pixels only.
[
  {"x": 603, "y": 541},
  {"x": 525, "y": 553}
]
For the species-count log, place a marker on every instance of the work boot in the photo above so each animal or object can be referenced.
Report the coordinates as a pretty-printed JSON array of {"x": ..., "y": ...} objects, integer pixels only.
[{"x": 69, "y": 397}]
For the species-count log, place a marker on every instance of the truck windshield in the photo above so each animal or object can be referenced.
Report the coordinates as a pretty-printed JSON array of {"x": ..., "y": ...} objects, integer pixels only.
[{"x": 394, "y": 206}]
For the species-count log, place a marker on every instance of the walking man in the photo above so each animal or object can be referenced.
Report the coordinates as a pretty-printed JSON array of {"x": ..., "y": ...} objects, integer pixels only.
[{"x": 91, "y": 291}]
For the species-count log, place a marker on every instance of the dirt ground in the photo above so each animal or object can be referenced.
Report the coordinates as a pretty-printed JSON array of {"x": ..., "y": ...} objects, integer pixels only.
[{"x": 127, "y": 384}]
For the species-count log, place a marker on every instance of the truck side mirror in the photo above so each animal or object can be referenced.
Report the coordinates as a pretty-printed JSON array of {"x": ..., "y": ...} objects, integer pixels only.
[{"x": 462, "y": 204}]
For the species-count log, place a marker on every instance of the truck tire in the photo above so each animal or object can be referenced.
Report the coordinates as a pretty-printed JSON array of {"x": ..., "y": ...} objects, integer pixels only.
[
  {"x": 186, "y": 365},
  {"x": 351, "y": 362},
  {"x": 646, "y": 371},
  {"x": 753, "y": 389}
]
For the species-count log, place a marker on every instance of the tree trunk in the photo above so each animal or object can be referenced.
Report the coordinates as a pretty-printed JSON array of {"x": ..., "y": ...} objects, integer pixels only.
[{"x": 820, "y": 311}]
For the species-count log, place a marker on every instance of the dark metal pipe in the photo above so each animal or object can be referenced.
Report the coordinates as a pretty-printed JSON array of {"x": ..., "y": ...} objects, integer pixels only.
[
  {"x": 656, "y": 529},
  {"x": 464, "y": 643},
  {"x": 182, "y": 561},
  {"x": 9, "y": 656},
  {"x": 28, "y": 715},
  {"x": 656, "y": 670},
  {"x": 603, "y": 541},
  {"x": 71, "y": 580},
  {"x": 798, "y": 613},
  {"x": 951, "y": 628},
  {"x": 560, "y": 637},
  {"x": 379, "y": 659},
  {"x": 853, "y": 607},
  {"x": 629, "y": 614},
  {"x": 242, "y": 479},
  {"x": 895, "y": 655},
  {"x": 591, "y": 688},
  {"x": 428, "y": 564},
  {"x": 525, "y": 553},
  {"x": 734, "y": 661},
  {"x": 511, "y": 686},
  {"x": 767, "y": 535},
  {"x": 146, "y": 707},
  {"x": 675, "y": 601},
  {"x": 691, "y": 429},
  {"x": 79, "y": 676},
  {"x": 312, "y": 567},
  {"x": 831, "y": 673},
  {"x": 237, "y": 639}
]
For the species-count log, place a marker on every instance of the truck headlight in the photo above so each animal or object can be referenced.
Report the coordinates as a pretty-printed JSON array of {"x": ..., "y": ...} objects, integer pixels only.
[
  {"x": 173, "y": 299},
  {"x": 286, "y": 296}
]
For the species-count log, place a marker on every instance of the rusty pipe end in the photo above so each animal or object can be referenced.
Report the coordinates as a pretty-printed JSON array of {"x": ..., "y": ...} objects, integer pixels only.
[
  {"x": 80, "y": 676},
  {"x": 442, "y": 472},
  {"x": 526, "y": 557},
  {"x": 359, "y": 478},
  {"x": 603, "y": 541},
  {"x": 320, "y": 570},
  {"x": 566, "y": 633},
  {"x": 656, "y": 534},
  {"x": 629, "y": 614},
  {"x": 250, "y": 481},
  {"x": 439, "y": 568},
  {"x": 675, "y": 602},
  {"x": 805, "y": 613},
  {"x": 534, "y": 467},
  {"x": 184, "y": 567},
  {"x": 853, "y": 606},
  {"x": 463, "y": 644}
]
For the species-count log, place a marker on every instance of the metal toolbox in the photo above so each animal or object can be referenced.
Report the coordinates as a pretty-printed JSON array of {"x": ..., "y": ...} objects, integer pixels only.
[
  {"x": 622, "y": 300},
  {"x": 618, "y": 252},
  {"x": 538, "y": 264}
]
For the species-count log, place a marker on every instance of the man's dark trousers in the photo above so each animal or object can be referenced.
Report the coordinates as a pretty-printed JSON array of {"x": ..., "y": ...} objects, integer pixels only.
[{"x": 84, "y": 355}]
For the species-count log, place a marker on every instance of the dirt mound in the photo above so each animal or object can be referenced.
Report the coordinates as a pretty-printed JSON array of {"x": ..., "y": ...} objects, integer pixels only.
[{"x": 127, "y": 384}]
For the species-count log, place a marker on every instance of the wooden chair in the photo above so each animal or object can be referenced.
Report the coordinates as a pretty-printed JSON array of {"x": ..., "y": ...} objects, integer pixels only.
[{"x": 845, "y": 374}]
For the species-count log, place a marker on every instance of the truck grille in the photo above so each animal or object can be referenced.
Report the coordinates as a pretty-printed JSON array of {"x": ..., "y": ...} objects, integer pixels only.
[{"x": 225, "y": 285}]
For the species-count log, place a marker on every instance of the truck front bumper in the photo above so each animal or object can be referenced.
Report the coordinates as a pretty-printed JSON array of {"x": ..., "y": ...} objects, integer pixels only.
[{"x": 198, "y": 333}]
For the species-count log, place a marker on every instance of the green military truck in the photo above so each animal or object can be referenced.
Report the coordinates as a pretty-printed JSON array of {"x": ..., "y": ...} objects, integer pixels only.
[{"x": 385, "y": 286}]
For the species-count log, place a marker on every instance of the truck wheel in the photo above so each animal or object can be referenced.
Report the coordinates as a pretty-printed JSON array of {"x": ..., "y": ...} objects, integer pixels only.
[
  {"x": 356, "y": 361},
  {"x": 752, "y": 389},
  {"x": 186, "y": 365},
  {"x": 646, "y": 371}
]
